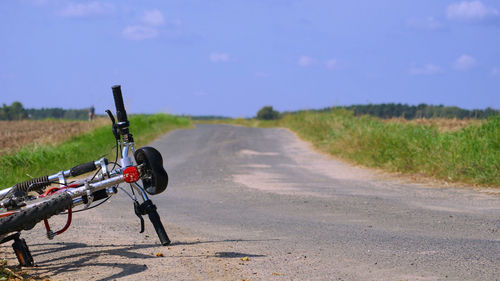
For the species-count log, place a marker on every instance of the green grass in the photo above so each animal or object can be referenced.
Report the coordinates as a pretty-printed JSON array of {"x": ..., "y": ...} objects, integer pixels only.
[
  {"x": 49, "y": 159},
  {"x": 470, "y": 155}
]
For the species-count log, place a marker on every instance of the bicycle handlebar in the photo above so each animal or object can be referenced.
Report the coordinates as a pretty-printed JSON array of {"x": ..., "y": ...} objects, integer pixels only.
[
  {"x": 83, "y": 169},
  {"x": 121, "y": 114},
  {"x": 156, "y": 221}
]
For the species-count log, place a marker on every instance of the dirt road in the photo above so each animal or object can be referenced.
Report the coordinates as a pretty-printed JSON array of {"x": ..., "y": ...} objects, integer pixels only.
[{"x": 240, "y": 192}]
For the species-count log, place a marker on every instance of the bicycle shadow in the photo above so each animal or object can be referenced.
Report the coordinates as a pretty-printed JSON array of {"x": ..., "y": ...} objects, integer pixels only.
[
  {"x": 76, "y": 257},
  {"x": 53, "y": 259}
]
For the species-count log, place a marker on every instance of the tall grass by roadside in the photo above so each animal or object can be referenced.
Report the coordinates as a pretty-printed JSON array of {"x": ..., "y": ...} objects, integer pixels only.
[
  {"x": 48, "y": 159},
  {"x": 469, "y": 155}
]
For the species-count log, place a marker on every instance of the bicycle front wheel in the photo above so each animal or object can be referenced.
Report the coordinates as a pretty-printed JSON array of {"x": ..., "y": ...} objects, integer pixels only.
[{"x": 34, "y": 212}]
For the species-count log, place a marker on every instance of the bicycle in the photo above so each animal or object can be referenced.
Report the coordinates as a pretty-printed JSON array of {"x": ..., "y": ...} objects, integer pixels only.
[{"x": 26, "y": 204}]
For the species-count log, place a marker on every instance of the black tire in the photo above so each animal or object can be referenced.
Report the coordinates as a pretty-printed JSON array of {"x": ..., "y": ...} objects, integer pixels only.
[
  {"x": 156, "y": 179},
  {"x": 31, "y": 215}
]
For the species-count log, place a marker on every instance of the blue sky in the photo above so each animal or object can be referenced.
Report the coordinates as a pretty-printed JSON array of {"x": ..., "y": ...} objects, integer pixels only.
[{"x": 231, "y": 57}]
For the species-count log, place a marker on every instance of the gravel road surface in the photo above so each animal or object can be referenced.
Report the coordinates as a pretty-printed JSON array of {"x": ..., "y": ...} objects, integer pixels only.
[{"x": 259, "y": 204}]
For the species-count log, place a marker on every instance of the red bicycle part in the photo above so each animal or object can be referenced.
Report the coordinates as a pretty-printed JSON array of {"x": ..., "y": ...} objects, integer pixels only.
[
  {"x": 68, "y": 223},
  {"x": 131, "y": 174},
  {"x": 70, "y": 211},
  {"x": 50, "y": 191},
  {"x": 6, "y": 214}
]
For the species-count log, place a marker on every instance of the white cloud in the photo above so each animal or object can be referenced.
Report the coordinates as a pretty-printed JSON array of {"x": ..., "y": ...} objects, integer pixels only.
[
  {"x": 495, "y": 71},
  {"x": 470, "y": 11},
  {"x": 428, "y": 23},
  {"x": 428, "y": 69},
  {"x": 80, "y": 10},
  {"x": 139, "y": 32},
  {"x": 150, "y": 22},
  {"x": 219, "y": 57},
  {"x": 305, "y": 61},
  {"x": 332, "y": 64},
  {"x": 153, "y": 17},
  {"x": 464, "y": 62}
]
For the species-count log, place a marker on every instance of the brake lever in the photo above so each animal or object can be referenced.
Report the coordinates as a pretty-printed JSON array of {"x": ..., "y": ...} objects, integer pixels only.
[
  {"x": 137, "y": 210},
  {"x": 111, "y": 116},
  {"x": 113, "y": 121}
]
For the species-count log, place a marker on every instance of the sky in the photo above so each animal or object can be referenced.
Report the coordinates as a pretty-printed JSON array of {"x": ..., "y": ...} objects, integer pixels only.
[{"x": 231, "y": 57}]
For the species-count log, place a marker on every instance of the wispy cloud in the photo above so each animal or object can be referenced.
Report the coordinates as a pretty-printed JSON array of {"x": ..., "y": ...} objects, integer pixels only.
[
  {"x": 495, "y": 71},
  {"x": 139, "y": 32},
  {"x": 428, "y": 69},
  {"x": 148, "y": 27},
  {"x": 308, "y": 61},
  {"x": 428, "y": 23},
  {"x": 305, "y": 61},
  {"x": 153, "y": 18},
  {"x": 470, "y": 11},
  {"x": 332, "y": 64},
  {"x": 219, "y": 57},
  {"x": 81, "y": 10},
  {"x": 464, "y": 62}
]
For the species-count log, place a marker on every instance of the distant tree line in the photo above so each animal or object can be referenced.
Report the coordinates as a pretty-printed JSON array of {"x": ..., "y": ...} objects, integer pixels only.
[
  {"x": 58, "y": 113},
  {"x": 16, "y": 111},
  {"x": 391, "y": 110}
]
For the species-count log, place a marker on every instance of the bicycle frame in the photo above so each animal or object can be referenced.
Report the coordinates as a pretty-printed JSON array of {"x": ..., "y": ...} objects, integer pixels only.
[
  {"x": 102, "y": 185},
  {"x": 114, "y": 178}
]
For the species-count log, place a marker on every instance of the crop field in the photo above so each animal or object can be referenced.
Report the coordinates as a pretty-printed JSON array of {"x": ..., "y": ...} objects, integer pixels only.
[
  {"x": 442, "y": 124},
  {"x": 17, "y": 134}
]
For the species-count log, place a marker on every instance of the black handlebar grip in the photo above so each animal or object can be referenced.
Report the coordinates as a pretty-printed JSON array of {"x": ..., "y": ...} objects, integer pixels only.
[
  {"x": 82, "y": 169},
  {"x": 121, "y": 114},
  {"x": 150, "y": 209}
]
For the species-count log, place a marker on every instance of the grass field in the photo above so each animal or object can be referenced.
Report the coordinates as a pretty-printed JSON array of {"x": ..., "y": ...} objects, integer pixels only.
[
  {"x": 453, "y": 151},
  {"x": 38, "y": 159}
]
